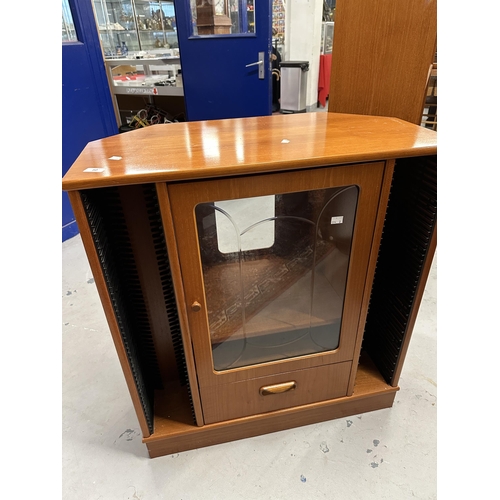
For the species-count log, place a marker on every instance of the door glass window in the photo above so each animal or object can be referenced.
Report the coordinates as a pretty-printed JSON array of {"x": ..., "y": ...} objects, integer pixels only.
[
  {"x": 222, "y": 17},
  {"x": 275, "y": 277},
  {"x": 68, "y": 27}
]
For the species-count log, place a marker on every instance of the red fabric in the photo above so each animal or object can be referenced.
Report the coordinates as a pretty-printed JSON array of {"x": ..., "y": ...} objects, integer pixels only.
[
  {"x": 124, "y": 78},
  {"x": 325, "y": 66}
]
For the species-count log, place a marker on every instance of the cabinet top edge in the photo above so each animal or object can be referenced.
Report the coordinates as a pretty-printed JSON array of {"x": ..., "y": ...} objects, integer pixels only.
[{"x": 238, "y": 146}]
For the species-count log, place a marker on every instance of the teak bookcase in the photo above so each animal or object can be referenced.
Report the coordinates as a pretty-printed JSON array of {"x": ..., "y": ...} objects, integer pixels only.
[{"x": 258, "y": 274}]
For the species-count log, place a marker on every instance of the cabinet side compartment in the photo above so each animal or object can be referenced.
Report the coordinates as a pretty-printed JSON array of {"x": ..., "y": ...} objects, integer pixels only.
[
  {"x": 167, "y": 286},
  {"x": 404, "y": 259},
  {"x": 135, "y": 311}
]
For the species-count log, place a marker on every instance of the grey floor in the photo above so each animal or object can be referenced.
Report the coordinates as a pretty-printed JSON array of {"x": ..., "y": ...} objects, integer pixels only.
[{"x": 387, "y": 454}]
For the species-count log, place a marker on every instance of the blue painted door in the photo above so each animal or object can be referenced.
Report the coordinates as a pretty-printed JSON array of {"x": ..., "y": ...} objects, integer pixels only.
[
  {"x": 220, "y": 42},
  {"x": 87, "y": 108}
]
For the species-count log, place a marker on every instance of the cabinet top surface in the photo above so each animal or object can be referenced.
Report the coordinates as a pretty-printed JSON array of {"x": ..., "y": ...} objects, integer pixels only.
[{"x": 205, "y": 149}]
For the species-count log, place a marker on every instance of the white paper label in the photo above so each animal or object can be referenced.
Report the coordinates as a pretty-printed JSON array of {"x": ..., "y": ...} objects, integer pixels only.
[
  {"x": 94, "y": 170},
  {"x": 141, "y": 90},
  {"x": 337, "y": 220}
]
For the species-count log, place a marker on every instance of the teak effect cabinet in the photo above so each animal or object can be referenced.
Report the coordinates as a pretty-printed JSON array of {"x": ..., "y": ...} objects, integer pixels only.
[{"x": 258, "y": 274}]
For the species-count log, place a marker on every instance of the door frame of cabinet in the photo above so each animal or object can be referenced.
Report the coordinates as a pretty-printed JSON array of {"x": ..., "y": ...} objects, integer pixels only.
[{"x": 369, "y": 177}]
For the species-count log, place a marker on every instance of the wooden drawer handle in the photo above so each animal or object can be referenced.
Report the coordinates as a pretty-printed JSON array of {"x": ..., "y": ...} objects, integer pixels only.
[{"x": 278, "y": 388}]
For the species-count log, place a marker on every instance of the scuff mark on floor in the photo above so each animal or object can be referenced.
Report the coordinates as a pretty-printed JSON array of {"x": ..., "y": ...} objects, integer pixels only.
[
  {"x": 134, "y": 495},
  {"x": 82, "y": 327},
  {"x": 430, "y": 381},
  {"x": 131, "y": 433}
]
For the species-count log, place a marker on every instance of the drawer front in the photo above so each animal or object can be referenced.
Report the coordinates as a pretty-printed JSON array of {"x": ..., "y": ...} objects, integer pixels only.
[{"x": 264, "y": 394}]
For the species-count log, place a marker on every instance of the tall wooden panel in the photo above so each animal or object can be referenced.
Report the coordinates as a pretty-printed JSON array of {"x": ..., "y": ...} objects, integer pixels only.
[{"x": 382, "y": 54}]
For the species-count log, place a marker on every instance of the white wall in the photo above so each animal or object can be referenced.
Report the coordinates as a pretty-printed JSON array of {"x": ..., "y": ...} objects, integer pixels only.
[{"x": 302, "y": 40}]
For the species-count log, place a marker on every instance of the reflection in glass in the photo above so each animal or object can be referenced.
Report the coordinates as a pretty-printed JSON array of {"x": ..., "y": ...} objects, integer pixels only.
[
  {"x": 222, "y": 17},
  {"x": 250, "y": 16},
  {"x": 245, "y": 213},
  {"x": 68, "y": 27},
  {"x": 234, "y": 14},
  {"x": 275, "y": 283}
]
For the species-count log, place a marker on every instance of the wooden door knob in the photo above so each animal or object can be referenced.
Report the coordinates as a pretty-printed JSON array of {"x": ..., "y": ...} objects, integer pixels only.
[{"x": 195, "y": 306}]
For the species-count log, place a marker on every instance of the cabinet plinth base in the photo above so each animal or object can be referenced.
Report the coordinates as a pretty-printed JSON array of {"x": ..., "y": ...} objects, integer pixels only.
[{"x": 174, "y": 431}]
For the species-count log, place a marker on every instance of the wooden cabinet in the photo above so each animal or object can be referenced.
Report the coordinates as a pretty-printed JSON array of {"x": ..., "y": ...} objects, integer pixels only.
[{"x": 243, "y": 272}]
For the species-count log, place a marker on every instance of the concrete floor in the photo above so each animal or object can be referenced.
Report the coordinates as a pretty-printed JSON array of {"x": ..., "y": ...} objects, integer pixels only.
[{"x": 387, "y": 454}]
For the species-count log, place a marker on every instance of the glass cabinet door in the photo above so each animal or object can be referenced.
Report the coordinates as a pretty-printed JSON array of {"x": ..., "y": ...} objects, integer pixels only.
[
  {"x": 274, "y": 272},
  {"x": 129, "y": 26},
  {"x": 117, "y": 28},
  {"x": 274, "y": 268},
  {"x": 169, "y": 24},
  {"x": 156, "y": 24}
]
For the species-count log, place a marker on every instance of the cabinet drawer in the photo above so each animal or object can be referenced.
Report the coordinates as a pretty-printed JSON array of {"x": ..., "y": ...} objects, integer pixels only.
[{"x": 264, "y": 394}]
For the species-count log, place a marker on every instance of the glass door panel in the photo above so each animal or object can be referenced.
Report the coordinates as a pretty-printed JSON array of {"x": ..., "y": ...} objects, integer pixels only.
[
  {"x": 117, "y": 28},
  {"x": 68, "y": 27},
  {"x": 274, "y": 271},
  {"x": 150, "y": 25},
  {"x": 130, "y": 26},
  {"x": 222, "y": 17}
]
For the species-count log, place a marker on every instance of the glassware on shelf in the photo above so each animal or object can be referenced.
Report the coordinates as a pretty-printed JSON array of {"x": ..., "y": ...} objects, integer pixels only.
[{"x": 131, "y": 26}]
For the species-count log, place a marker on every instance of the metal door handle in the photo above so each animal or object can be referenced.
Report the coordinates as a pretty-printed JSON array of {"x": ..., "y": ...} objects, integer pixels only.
[
  {"x": 254, "y": 64},
  {"x": 260, "y": 64}
]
